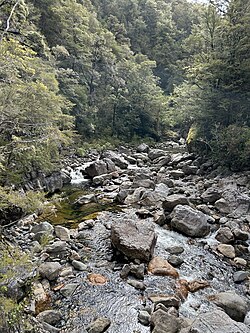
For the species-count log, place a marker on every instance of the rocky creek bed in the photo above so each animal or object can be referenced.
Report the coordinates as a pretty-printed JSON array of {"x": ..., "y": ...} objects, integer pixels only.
[{"x": 153, "y": 241}]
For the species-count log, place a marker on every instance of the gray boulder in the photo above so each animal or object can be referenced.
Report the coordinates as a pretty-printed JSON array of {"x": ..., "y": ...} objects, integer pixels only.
[
  {"x": 215, "y": 322},
  {"x": 116, "y": 159},
  {"x": 96, "y": 168},
  {"x": 136, "y": 239},
  {"x": 50, "y": 270},
  {"x": 234, "y": 305},
  {"x": 189, "y": 221}
]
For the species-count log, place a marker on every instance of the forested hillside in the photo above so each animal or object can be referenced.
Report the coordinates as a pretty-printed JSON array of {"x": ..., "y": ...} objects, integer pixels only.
[{"x": 122, "y": 70}]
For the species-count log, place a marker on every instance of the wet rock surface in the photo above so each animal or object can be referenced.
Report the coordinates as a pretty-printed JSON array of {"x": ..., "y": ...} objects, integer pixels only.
[{"x": 113, "y": 270}]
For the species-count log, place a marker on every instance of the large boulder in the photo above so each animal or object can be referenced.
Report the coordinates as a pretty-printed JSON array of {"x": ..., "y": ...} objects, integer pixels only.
[
  {"x": 234, "y": 305},
  {"x": 189, "y": 221},
  {"x": 136, "y": 239},
  {"x": 116, "y": 158},
  {"x": 215, "y": 322},
  {"x": 96, "y": 168}
]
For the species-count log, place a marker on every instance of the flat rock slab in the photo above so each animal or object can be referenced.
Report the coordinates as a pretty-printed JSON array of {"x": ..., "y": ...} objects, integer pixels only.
[{"x": 136, "y": 239}]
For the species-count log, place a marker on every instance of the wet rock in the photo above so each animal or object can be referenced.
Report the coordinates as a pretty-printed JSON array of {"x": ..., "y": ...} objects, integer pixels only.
[
  {"x": 166, "y": 300},
  {"x": 173, "y": 200},
  {"x": 137, "y": 270},
  {"x": 135, "y": 239},
  {"x": 227, "y": 250},
  {"x": 144, "y": 318},
  {"x": 51, "y": 317},
  {"x": 189, "y": 221},
  {"x": 175, "y": 249},
  {"x": 164, "y": 323},
  {"x": 224, "y": 235},
  {"x": 78, "y": 265},
  {"x": 160, "y": 266},
  {"x": 175, "y": 260},
  {"x": 62, "y": 233},
  {"x": 240, "y": 276},
  {"x": 233, "y": 304},
  {"x": 99, "y": 325},
  {"x": 136, "y": 284},
  {"x": 97, "y": 279},
  {"x": 68, "y": 289},
  {"x": 215, "y": 322},
  {"x": 50, "y": 270},
  {"x": 125, "y": 271}
]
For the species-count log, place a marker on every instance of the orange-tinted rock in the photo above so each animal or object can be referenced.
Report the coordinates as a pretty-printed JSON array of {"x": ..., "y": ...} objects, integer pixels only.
[
  {"x": 182, "y": 288},
  {"x": 97, "y": 279},
  {"x": 197, "y": 285},
  {"x": 160, "y": 266}
]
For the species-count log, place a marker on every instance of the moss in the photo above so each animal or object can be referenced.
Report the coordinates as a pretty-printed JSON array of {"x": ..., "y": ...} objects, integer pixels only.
[{"x": 68, "y": 214}]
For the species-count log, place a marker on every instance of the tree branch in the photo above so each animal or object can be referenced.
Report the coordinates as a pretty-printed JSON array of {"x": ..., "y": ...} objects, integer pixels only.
[{"x": 9, "y": 19}]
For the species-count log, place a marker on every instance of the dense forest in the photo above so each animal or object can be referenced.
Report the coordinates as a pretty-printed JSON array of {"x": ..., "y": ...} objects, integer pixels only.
[{"x": 81, "y": 70}]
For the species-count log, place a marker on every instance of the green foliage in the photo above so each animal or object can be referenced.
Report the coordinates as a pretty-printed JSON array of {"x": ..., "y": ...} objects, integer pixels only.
[
  {"x": 29, "y": 201},
  {"x": 13, "y": 263},
  {"x": 232, "y": 147}
]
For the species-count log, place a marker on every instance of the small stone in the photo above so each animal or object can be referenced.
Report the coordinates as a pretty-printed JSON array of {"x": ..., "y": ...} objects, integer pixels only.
[
  {"x": 97, "y": 279},
  {"x": 160, "y": 266},
  {"x": 51, "y": 317},
  {"x": 175, "y": 260},
  {"x": 99, "y": 325},
  {"x": 62, "y": 233},
  {"x": 78, "y": 265},
  {"x": 166, "y": 300},
  {"x": 136, "y": 284},
  {"x": 144, "y": 318},
  {"x": 224, "y": 235},
  {"x": 43, "y": 226},
  {"x": 227, "y": 250},
  {"x": 68, "y": 289},
  {"x": 240, "y": 261},
  {"x": 175, "y": 249},
  {"x": 240, "y": 276},
  {"x": 50, "y": 270},
  {"x": 125, "y": 271}
]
